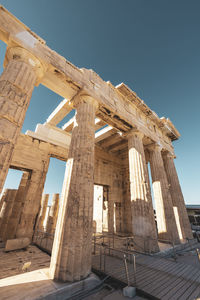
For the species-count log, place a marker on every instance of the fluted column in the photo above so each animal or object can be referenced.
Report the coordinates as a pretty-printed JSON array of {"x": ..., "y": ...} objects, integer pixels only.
[
  {"x": 16, "y": 85},
  {"x": 30, "y": 210},
  {"x": 53, "y": 213},
  {"x": 17, "y": 206},
  {"x": 43, "y": 211},
  {"x": 143, "y": 222},
  {"x": 2, "y": 199},
  {"x": 6, "y": 212},
  {"x": 72, "y": 248},
  {"x": 181, "y": 215},
  {"x": 167, "y": 228}
]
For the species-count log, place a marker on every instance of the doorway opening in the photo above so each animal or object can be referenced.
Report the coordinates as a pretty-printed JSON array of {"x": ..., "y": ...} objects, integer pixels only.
[{"x": 100, "y": 209}]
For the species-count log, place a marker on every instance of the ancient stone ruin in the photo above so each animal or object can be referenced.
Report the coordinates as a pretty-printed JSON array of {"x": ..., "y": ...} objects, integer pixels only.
[{"x": 109, "y": 144}]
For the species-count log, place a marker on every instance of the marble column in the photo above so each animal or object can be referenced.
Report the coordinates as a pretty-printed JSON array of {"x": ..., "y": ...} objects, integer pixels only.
[
  {"x": 72, "y": 248},
  {"x": 111, "y": 211},
  {"x": 43, "y": 211},
  {"x": 6, "y": 212},
  {"x": 16, "y": 85},
  {"x": 127, "y": 217},
  {"x": 31, "y": 207},
  {"x": 167, "y": 228},
  {"x": 181, "y": 215},
  {"x": 3, "y": 197},
  {"x": 17, "y": 206},
  {"x": 143, "y": 222},
  {"x": 53, "y": 213}
]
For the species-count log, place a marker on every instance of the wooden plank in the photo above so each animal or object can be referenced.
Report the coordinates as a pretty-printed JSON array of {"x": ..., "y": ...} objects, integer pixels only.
[
  {"x": 173, "y": 286},
  {"x": 160, "y": 278},
  {"x": 187, "y": 289},
  {"x": 194, "y": 295},
  {"x": 162, "y": 265},
  {"x": 170, "y": 275},
  {"x": 148, "y": 272},
  {"x": 172, "y": 266}
]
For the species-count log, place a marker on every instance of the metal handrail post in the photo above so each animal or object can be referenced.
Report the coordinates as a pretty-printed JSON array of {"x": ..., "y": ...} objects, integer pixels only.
[
  {"x": 175, "y": 258},
  {"x": 126, "y": 269},
  {"x": 134, "y": 269},
  {"x": 198, "y": 254},
  {"x": 94, "y": 244},
  {"x": 100, "y": 257},
  {"x": 104, "y": 263}
]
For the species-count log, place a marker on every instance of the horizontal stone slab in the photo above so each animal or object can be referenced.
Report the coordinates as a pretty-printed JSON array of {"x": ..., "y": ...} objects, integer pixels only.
[{"x": 16, "y": 244}]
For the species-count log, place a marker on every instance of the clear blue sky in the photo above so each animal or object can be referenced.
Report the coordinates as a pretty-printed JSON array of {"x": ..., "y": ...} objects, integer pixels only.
[{"x": 151, "y": 45}]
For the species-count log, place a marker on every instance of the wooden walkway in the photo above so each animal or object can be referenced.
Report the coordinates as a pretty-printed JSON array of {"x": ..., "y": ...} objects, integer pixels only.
[{"x": 161, "y": 278}]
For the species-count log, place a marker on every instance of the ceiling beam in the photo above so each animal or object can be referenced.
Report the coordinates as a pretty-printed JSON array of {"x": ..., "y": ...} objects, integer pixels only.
[
  {"x": 111, "y": 140},
  {"x": 59, "y": 112},
  {"x": 104, "y": 133},
  {"x": 70, "y": 124},
  {"x": 118, "y": 146}
]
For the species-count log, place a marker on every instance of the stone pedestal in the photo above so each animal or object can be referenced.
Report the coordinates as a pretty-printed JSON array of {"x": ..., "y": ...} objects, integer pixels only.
[
  {"x": 17, "y": 206},
  {"x": 16, "y": 85},
  {"x": 167, "y": 229},
  {"x": 53, "y": 213},
  {"x": 6, "y": 212},
  {"x": 181, "y": 215},
  {"x": 143, "y": 222},
  {"x": 72, "y": 248}
]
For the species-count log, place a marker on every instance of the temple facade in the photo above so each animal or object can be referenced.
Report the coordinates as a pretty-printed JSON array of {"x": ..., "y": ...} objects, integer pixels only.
[{"x": 109, "y": 146}]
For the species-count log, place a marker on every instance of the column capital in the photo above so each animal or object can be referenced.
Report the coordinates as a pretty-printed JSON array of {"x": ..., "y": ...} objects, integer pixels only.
[
  {"x": 169, "y": 154},
  {"x": 134, "y": 132},
  {"x": 21, "y": 54},
  {"x": 85, "y": 98},
  {"x": 154, "y": 147}
]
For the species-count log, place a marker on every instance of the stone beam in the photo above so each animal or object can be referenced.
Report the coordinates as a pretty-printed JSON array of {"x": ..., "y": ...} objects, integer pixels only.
[
  {"x": 69, "y": 125},
  {"x": 99, "y": 123},
  {"x": 59, "y": 112},
  {"x": 111, "y": 140},
  {"x": 104, "y": 133},
  {"x": 121, "y": 144},
  {"x": 51, "y": 134}
]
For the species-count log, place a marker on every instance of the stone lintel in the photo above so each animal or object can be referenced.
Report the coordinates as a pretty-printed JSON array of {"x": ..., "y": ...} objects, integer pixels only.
[
  {"x": 134, "y": 132},
  {"x": 84, "y": 98}
]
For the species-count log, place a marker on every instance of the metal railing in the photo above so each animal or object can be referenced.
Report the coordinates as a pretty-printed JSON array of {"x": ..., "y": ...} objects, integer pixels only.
[
  {"x": 124, "y": 242},
  {"x": 104, "y": 252}
]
